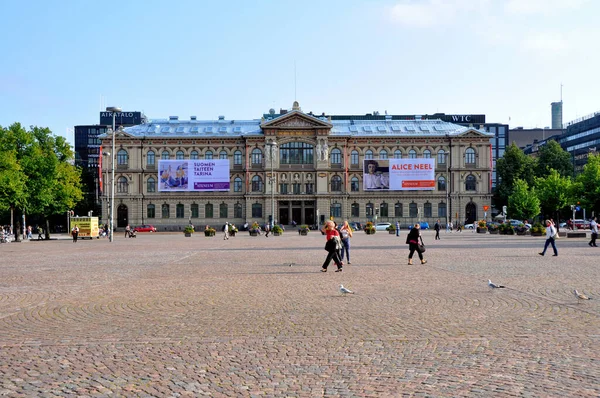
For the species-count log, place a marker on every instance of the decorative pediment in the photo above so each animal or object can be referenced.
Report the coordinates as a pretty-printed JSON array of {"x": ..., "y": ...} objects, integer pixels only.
[
  {"x": 472, "y": 133},
  {"x": 296, "y": 119}
]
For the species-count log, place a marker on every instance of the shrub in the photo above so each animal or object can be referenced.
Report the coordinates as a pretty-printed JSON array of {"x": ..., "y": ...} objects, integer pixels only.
[
  {"x": 369, "y": 227},
  {"x": 481, "y": 223},
  {"x": 304, "y": 228},
  {"x": 188, "y": 229},
  {"x": 392, "y": 227},
  {"x": 277, "y": 229},
  {"x": 493, "y": 227},
  {"x": 538, "y": 228}
]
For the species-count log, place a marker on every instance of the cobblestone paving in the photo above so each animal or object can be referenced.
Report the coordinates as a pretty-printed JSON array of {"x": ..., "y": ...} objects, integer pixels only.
[{"x": 167, "y": 316}]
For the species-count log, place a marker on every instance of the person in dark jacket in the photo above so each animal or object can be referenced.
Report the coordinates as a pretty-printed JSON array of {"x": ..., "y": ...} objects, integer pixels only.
[
  {"x": 436, "y": 227},
  {"x": 412, "y": 240}
]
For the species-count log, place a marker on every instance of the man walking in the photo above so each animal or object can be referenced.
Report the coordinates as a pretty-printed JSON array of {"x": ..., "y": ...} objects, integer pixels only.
[
  {"x": 267, "y": 230},
  {"x": 226, "y": 231},
  {"x": 594, "y": 228},
  {"x": 397, "y": 229},
  {"x": 436, "y": 227}
]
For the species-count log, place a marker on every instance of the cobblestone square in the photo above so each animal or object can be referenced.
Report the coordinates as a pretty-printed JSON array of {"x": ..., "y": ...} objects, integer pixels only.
[{"x": 167, "y": 316}]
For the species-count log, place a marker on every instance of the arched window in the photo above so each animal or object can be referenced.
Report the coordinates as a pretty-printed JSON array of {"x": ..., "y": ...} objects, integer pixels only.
[
  {"x": 336, "y": 156},
  {"x": 354, "y": 185},
  {"x": 397, "y": 154},
  {"x": 151, "y": 185},
  {"x": 237, "y": 158},
  {"x": 208, "y": 210},
  {"x": 336, "y": 184},
  {"x": 150, "y": 159},
  {"x": 208, "y": 155},
  {"x": 441, "y": 209},
  {"x": 179, "y": 210},
  {"x": 122, "y": 185},
  {"x": 257, "y": 185},
  {"x": 237, "y": 184},
  {"x": 179, "y": 155},
  {"x": 164, "y": 155},
  {"x": 383, "y": 154},
  {"x": 256, "y": 156},
  {"x": 398, "y": 210},
  {"x": 296, "y": 153},
  {"x": 470, "y": 156},
  {"x": 165, "y": 210},
  {"x": 383, "y": 210},
  {"x": 427, "y": 154},
  {"x": 223, "y": 155},
  {"x": 427, "y": 210},
  {"x": 441, "y": 157},
  {"x": 369, "y": 210},
  {"x": 355, "y": 210},
  {"x": 122, "y": 157},
  {"x": 223, "y": 210},
  {"x": 470, "y": 183},
  {"x": 194, "y": 155},
  {"x": 256, "y": 210},
  {"x": 412, "y": 210},
  {"x": 335, "y": 210},
  {"x": 412, "y": 154},
  {"x": 194, "y": 209},
  {"x": 237, "y": 211},
  {"x": 354, "y": 157},
  {"x": 368, "y": 154},
  {"x": 441, "y": 183},
  {"x": 150, "y": 211}
]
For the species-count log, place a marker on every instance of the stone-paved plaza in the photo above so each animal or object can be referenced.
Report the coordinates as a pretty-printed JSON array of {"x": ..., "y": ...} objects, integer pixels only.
[{"x": 167, "y": 316}]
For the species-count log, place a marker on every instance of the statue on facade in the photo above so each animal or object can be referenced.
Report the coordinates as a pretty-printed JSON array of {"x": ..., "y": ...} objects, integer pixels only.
[
  {"x": 325, "y": 152},
  {"x": 267, "y": 156},
  {"x": 319, "y": 151}
]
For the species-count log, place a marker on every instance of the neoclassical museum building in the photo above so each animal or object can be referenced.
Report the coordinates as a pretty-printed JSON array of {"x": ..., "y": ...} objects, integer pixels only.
[{"x": 300, "y": 167}]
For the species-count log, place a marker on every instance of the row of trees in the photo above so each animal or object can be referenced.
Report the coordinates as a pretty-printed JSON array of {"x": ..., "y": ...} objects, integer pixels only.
[
  {"x": 37, "y": 175},
  {"x": 545, "y": 185}
]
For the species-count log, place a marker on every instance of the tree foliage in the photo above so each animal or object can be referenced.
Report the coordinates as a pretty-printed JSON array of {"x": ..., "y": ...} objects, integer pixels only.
[
  {"x": 513, "y": 166},
  {"x": 523, "y": 202},
  {"x": 555, "y": 192},
  {"x": 36, "y": 174},
  {"x": 552, "y": 157},
  {"x": 587, "y": 188}
]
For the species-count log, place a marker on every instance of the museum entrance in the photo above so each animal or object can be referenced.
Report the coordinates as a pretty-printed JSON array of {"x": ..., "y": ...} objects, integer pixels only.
[
  {"x": 122, "y": 219},
  {"x": 298, "y": 211},
  {"x": 470, "y": 213}
]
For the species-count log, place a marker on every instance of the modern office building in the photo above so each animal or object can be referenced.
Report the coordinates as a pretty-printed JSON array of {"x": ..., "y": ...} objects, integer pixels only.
[
  {"x": 557, "y": 115},
  {"x": 582, "y": 137},
  {"x": 315, "y": 172}
]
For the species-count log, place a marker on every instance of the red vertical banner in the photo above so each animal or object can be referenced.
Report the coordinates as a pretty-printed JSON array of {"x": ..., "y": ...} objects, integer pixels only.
[{"x": 100, "y": 170}]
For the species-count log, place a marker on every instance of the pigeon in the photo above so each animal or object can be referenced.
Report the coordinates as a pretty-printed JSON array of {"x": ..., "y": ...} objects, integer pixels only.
[
  {"x": 343, "y": 290},
  {"x": 581, "y": 296},
  {"x": 494, "y": 285}
]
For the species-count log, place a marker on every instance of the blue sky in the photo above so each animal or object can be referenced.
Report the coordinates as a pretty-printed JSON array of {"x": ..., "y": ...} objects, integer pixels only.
[{"x": 503, "y": 58}]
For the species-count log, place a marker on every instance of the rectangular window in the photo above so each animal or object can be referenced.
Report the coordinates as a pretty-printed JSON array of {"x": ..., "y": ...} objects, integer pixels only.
[
  {"x": 296, "y": 188},
  {"x": 150, "y": 211},
  {"x": 383, "y": 210},
  {"x": 309, "y": 188},
  {"x": 398, "y": 210},
  {"x": 283, "y": 188},
  {"x": 412, "y": 210},
  {"x": 427, "y": 210},
  {"x": 179, "y": 211},
  {"x": 223, "y": 210},
  {"x": 256, "y": 210},
  {"x": 237, "y": 211},
  {"x": 355, "y": 210},
  {"x": 442, "y": 210},
  {"x": 165, "y": 211},
  {"x": 194, "y": 210},
  {"x": 208, "y": 210},
  {"x": 336, "y": 210}
]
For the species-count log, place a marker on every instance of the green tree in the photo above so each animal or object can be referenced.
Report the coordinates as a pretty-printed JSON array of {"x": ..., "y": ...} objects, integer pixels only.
[
  {"x": 512, "y": 166},
  {"x": 555, "y": 193},
  {"x": 51, "y": 184},
  {"x": 552, "y": 157},
  {"x": 523, "y": 203},
  {"x": 587, "y": 189}
]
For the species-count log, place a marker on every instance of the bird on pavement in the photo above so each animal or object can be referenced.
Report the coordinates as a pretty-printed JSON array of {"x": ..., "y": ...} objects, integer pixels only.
[
  {"x": 494, "y": 285},
  {"x": 343, "y": 290},
  {"x": 581, "y": 296}
]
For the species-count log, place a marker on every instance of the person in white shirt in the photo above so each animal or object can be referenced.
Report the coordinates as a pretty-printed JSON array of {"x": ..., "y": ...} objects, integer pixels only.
[
  {"x": 374, "y": 179},
  {"x": 550, "y": 232},
  {"x": 594, "y": 228}
]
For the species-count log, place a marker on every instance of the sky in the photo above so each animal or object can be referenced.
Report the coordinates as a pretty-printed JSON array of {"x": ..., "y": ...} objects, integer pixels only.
[{"x": 65, "y": 60}]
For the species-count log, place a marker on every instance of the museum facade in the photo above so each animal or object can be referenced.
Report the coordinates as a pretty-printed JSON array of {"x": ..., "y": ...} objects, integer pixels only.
[{"x": 298, "y": 167}]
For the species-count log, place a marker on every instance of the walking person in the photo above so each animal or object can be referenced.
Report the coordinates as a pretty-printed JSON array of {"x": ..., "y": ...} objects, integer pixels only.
[
  {"x": 397, "y": 230},
  {"x": 75, "y": 233},
  {"x": 226, "y": 231},
  {"x": 436, "y": 227},
  {"x": 346, "y": 234},
  {"x": 594, "y": 228},
  {"x": 332, "y": 246},
  {"x": 550, "y": 236},
  {"x": 412, "y": 240},
  {"x": 127, "y": 231},
  {"x": 267, "y": 230}
]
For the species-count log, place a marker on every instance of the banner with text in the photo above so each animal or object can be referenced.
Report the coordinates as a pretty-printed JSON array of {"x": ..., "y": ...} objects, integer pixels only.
[
  {"x": 399, "y": 174},
  {"x": 193, "y": 175}
]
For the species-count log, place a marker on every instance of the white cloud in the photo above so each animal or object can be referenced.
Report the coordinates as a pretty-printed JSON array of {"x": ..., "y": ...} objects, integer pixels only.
[
  {"x": 541, "y": 6},
  {"x": 425, "y": 13},
  {"x": 548, "y": 43}
]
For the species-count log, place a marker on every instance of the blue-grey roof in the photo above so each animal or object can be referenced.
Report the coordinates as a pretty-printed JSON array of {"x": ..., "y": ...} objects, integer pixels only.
[{"x": 170, "y": 128}]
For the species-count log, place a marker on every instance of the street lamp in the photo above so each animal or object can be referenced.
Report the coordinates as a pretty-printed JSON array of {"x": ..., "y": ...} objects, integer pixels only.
[
  {"x": 446, "y": 158},
  {"x": 272, "y": 146},
  {"x": 114, "y": 110}
]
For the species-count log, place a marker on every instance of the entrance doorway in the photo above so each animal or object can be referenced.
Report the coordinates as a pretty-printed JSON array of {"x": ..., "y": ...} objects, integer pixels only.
[
  {"x": 470, "y": 213},
  {"x": 299, "y": 211},
  {"x": 122, "y": 219}
]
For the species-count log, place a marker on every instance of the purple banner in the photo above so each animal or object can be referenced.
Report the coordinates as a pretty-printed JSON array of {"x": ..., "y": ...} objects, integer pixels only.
[{"x": 211, "y": 185}]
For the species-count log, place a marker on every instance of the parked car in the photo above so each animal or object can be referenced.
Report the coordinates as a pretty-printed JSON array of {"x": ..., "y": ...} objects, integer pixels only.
[
  {"x": 469, "y": 226},
  {"x": 356, "y": 226},
  {"x": 581, "y": 224},
  {"x": 145, "y": 228},
  {"x": 424, "y": 225},
  {"x": 382, "y": 226}
]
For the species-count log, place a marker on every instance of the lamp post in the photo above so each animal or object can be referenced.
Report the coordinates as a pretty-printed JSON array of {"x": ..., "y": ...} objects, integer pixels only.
[
  {"x": 272, "y": 146},
  {"x": 446, "y": 158},
  {"x": 112, "y": 109}
]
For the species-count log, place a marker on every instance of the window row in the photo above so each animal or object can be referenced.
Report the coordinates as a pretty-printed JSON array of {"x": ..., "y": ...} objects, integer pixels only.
[
  {"x": 194, "y": 211},
  {"x": 384, "y": 210}
]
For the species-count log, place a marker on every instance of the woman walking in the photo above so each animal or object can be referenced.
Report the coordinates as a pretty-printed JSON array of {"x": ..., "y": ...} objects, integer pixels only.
[
  {"x": 412, "y": 240},
  {"x": 550, "y": 233},
  {"x": 346, "y": 233},
  {"x": 332, "y": 246}
]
